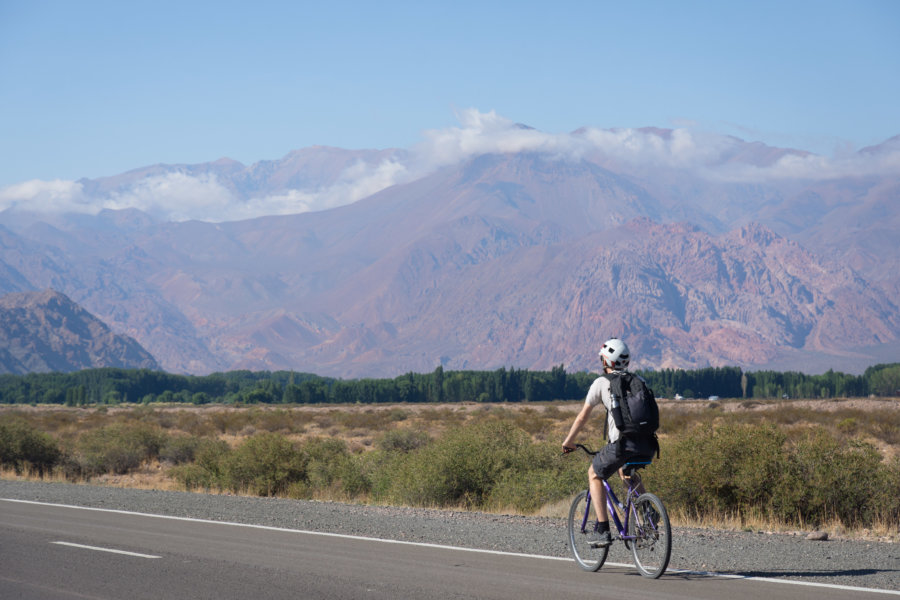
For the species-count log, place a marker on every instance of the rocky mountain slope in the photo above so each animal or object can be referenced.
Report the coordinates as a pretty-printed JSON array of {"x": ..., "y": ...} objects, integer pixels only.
[
  {"x": 504, "y": 259},
  {"x": 45, "y": 331}
]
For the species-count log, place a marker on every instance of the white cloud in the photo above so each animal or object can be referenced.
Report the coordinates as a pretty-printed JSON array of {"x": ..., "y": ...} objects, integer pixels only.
[
  {"x": 483, "y": 133},
  {"x": 46, "y": 196},
  {"x": 813, "y": 166},
  {"x": 679, "y": 148},
  {"x": 355, "y": 183},
  {"x": 175, "y": 196},
  {"x": 179, "y": 196},
  {"x": 363, "y": 180}
]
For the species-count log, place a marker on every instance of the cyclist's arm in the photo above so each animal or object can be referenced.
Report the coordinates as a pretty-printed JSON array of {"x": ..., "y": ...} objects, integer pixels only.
[{"x": 580, "y": 420}]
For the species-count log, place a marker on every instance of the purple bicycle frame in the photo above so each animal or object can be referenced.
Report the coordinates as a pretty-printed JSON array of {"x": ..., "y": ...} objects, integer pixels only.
[{"x": 610, "y": 500}]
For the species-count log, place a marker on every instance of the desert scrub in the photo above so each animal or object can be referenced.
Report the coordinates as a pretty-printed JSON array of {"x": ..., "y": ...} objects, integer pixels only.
[
  {"x": 727, "y": 468},
  {"x": 332, "y": 471},
  {"x": 371, "y": 419},
  {"x": 25, "y": 449},
  {"x": 180, "y": 449},
  {"x": 402, "y": 440},
  {"x": 206, "y": 471},
  {"x": 270, "y": 464},
  {"x": 827, "y": 478},
  {"x": 757, "y": 470},
  {"x": 546, "y": 478},
  {"x": 465, "y": 466},
  {"x": 265, "y": 464},
  {"x": 814, "y": 466},
  {"x": 534, "y": 421},
  {"x": 230, "y": 420},
  {"x": 115, "y": 449}
]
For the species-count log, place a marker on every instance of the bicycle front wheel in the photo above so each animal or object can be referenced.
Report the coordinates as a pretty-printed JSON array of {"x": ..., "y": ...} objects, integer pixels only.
[
  {"x": 588, "y": 556},
  {"x": 652, "y": 543}
]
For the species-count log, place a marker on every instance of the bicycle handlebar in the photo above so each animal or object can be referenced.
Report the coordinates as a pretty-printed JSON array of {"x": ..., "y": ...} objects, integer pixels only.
[{"x": 582, "y": 446}]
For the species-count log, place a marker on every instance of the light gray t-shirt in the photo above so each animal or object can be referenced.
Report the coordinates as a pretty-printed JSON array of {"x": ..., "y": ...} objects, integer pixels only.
[{"x": 599, "y": 394}]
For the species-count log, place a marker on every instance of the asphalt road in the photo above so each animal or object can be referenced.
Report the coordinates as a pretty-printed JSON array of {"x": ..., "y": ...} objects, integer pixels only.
[{"x": 53, "y": 552}]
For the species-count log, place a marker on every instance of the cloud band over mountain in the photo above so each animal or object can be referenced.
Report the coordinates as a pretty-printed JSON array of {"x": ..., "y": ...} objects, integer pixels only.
[{"x": 176, "y": 193}]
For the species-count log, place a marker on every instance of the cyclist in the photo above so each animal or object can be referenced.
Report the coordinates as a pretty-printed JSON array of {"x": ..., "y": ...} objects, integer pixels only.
[{"x": 614, "y": 356}]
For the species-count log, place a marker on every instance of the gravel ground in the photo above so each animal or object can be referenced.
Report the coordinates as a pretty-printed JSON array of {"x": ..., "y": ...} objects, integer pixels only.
[{"x": 840, "y": 562}]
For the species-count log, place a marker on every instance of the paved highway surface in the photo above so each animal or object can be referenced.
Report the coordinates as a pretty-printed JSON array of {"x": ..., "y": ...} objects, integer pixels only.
[{"x": 55, "y": 551}]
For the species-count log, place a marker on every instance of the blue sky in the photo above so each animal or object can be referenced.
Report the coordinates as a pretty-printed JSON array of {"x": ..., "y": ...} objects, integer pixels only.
[{"x": 90, "y": 89}]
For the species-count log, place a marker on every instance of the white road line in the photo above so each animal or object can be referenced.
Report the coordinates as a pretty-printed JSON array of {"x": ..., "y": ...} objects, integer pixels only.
[
  {"x": 113, "y": 550},
  {"x": 831, "y": 586},
  {"x": 458, "y": 548}
]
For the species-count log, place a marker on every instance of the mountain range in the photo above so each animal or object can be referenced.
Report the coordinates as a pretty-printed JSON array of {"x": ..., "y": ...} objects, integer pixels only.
[
  {"x": 525, "y": 258},
  {"x": 45, "y": 331}
]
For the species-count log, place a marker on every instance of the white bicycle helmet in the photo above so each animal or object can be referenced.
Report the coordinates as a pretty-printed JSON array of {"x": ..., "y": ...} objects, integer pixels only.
[{"x": 615, "y": 353}]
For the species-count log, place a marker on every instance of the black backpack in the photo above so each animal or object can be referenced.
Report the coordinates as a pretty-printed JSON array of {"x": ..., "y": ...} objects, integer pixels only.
[{"x": 636, "y": 413}]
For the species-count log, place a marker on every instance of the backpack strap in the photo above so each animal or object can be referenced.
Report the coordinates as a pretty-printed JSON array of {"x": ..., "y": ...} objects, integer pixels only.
[{"x": 617, "y": 397}]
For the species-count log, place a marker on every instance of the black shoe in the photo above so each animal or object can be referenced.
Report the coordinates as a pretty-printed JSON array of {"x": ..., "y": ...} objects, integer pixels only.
[{"x": 601, "y": 539}]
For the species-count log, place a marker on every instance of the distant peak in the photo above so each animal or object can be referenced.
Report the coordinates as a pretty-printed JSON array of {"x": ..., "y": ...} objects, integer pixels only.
[
  {"x": 757, "y": 233},
  {"x": 228, "y": 162},
  {"x": 38, "y": 298},
  {"x": 889, "y": 145}
]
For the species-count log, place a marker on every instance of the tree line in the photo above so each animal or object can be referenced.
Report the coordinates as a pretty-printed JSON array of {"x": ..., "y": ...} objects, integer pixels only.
[{"x": 114, "y": 386}]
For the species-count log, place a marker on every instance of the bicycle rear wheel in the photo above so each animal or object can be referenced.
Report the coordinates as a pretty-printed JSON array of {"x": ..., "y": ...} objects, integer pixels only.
[
  {"x": 652, "y": 546},
  {"x": 588, "y": 557}
]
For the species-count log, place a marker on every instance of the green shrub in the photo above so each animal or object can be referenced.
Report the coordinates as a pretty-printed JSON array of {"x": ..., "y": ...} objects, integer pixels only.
[
  {"x": 208, "y": 467},
  {"x": 26, "y": 449},
  {"x": 885, "y": 493},
  {"x": 727, "y": 469},
  {"x": 545, "y": 477},
  {"x": 180, "y": 449},
  {"x": 117, "y": 448},
  {"x": 462, "y": 467},
  {"x": 403, "y": 440},
  {"x": 265, "y": 465},
  {"x": 887, "y": 427},
  {"x": 195, "y": 423},
  {"x": 754, "y": 469},
  {"x": 272, "y": 420},
  {"x": 827, "y": 478},
  {"x": 332, "y": 469},
  {"x": 229, "y": 421}
]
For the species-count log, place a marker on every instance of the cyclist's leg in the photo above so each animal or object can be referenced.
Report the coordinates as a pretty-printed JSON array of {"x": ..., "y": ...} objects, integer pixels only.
[
  {"x": 605, "y": 463},
  {"x": 598, "y": 495}
]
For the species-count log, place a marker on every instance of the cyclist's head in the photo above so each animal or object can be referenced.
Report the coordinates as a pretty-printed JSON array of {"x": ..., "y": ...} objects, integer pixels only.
[{"x": 614, "y": 354}]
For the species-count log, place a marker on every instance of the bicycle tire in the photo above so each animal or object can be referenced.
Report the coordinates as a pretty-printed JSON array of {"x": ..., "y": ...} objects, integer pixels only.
[
  {"x": 652, "y": 543},
  {"x": 588, "y": 558}
]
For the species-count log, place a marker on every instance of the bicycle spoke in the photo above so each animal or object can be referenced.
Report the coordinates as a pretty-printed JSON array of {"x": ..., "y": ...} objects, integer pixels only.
[
  {"x": 588, "y": 556},
  {"x": 652, "y": 546}
]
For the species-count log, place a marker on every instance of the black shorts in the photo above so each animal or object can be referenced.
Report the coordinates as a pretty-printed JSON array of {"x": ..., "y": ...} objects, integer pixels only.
[{"x": 610, "y": 459}]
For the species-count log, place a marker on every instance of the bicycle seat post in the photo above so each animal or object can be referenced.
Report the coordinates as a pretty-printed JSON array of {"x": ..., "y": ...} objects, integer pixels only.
[{"x": 632, "y": 478}]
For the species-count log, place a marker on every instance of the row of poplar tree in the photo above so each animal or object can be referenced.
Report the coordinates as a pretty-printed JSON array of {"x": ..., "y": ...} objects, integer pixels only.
[{"x": 113, "y": 386}]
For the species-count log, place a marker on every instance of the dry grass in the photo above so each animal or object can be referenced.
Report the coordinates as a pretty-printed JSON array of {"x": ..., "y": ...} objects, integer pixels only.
[
  {"x": 876, "y": 421},
  {"x": 149, "y": 477}
]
